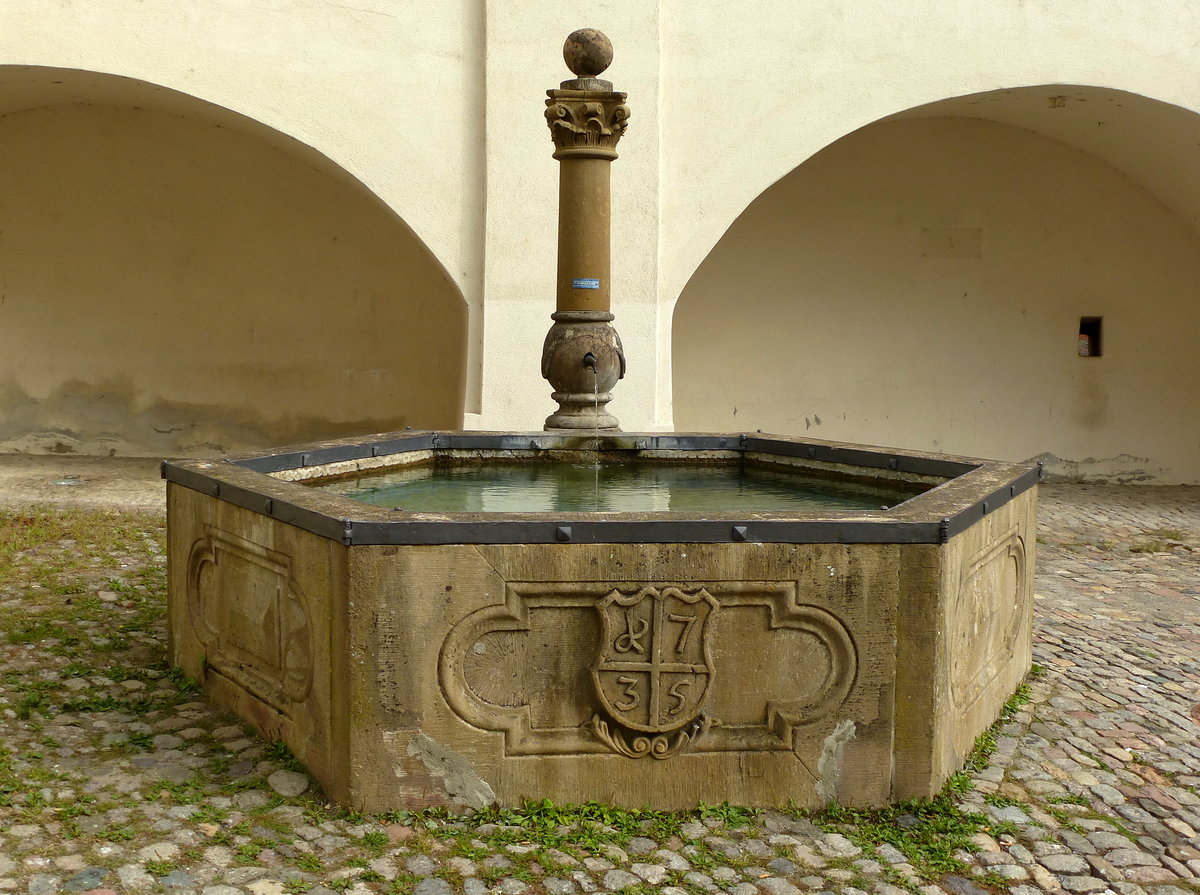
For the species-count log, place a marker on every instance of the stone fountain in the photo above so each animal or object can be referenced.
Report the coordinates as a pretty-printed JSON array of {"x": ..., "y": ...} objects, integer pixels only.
[{"x": 663, "y": 657}]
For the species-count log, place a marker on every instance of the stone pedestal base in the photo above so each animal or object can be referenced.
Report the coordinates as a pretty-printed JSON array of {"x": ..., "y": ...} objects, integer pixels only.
[{"x": 583, "y": 359}]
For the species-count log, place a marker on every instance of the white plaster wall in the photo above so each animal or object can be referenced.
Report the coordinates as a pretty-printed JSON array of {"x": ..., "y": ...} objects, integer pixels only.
[
  {"x": 169, "y": 286},
  {"x": 436, "y": 107},
  {"x": 920, "y": 283},
  {"x": 390, "y": 90},
  {"x": 752, "y": 91}
]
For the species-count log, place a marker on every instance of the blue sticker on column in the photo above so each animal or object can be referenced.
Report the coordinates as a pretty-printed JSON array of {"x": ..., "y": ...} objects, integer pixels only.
[{"x": 585, "y": 283}]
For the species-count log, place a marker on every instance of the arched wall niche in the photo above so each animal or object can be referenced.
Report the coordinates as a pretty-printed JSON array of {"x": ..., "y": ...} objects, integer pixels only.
[
  {"x": 178, "y": 279},
  {"x": 922, "y": 282}
]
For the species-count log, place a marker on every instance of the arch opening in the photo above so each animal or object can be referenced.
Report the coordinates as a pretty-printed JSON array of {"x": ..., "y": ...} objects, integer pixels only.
[
  {"x": 924, "y": 282},
  {"x": 178, "y": 279}
]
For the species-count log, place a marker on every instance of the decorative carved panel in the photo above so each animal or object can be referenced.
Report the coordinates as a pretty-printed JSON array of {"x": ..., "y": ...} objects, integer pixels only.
[
  {"x": 986, "y": 618},
  {"x": 594, "y": 667},
  {"x": 249, "y": 613}
]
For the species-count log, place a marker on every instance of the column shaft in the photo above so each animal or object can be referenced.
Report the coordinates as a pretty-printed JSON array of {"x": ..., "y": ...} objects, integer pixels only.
[{"x": 584, "y": 251}]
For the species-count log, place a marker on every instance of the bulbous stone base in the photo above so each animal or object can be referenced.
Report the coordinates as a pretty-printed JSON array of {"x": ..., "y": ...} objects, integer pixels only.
[{"x": 582, "y": 358}]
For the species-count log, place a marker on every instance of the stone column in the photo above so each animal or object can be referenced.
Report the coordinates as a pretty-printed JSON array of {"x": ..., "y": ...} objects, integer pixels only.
[{"x": 582, "y": 357}]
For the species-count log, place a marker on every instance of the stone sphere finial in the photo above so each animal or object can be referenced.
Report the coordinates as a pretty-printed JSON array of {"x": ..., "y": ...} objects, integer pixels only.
[{"x": 587, "y": 52}]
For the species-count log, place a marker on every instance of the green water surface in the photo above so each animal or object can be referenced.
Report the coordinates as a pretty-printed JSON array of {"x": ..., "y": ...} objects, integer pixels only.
[{"x": 626, "y": 487}]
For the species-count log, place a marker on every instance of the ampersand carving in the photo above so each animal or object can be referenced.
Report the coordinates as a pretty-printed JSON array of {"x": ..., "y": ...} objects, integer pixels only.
[{"x": 631, "y": 640}]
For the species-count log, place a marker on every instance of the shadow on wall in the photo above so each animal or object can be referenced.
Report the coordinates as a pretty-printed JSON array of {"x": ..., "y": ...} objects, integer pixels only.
[
  {"x": 922, "y": 283},
  {"x": 175, "y": 279}
]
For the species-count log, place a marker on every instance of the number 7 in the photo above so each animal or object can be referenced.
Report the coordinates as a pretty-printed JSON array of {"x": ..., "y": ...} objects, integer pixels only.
[{"x": 687, "y": 621}]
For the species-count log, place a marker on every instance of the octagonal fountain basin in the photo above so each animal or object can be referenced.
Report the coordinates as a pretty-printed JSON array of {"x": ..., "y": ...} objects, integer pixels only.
[{"x": 613, "y": 632}]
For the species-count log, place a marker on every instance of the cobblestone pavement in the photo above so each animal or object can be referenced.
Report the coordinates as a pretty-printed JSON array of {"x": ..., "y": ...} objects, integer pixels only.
[{"x": 116, "y": 776}]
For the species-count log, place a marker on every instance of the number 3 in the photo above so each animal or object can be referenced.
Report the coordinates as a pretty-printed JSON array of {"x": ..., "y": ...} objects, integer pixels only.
[{"x": 631, "y": 693}]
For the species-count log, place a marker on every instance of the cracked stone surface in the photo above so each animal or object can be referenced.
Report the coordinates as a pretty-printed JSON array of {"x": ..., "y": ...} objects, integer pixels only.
[{"x": 116, "y": 776}]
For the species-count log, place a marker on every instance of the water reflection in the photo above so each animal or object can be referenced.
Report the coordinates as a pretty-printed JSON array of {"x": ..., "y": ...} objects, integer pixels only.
[{"x": 631, "y": 487}]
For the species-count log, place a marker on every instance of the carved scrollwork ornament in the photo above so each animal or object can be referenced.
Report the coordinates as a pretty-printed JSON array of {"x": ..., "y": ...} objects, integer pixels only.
[
  {"x": 584, "y": 124},
  {"x": 638, "y": 745}
]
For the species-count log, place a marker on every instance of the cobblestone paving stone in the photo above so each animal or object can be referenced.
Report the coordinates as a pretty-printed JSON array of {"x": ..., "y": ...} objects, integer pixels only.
[{"x": 116, "y": 776}]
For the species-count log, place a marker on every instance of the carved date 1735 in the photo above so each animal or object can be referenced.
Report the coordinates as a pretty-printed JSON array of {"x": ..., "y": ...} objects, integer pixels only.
[{"x": 653, "y": 670}]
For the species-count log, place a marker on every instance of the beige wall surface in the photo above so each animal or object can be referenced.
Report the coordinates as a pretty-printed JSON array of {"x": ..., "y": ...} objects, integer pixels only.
[
  {"x": 921, "y": 283},
  {"x": 172, "y": 286},
  {"x": 387, "y": 90},
  {"x": 381, "y": 94},
  {"x": 435, "y": 109},
  {"x": 744, "y": 104}
]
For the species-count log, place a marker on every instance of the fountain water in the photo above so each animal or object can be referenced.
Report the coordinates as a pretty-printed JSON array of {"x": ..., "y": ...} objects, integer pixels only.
[{"x": 750, "y": 655}]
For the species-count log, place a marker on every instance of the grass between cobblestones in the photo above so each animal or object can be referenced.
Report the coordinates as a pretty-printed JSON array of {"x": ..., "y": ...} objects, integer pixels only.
[{"x": 114, "y": 766}]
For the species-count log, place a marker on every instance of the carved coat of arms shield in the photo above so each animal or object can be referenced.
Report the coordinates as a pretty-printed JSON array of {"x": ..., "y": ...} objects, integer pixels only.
[{"x": 655, "y": 664}]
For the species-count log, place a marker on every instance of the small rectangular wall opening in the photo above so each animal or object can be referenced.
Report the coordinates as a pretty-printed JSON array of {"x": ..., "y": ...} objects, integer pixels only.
[{"x": 1089, "y": 336}]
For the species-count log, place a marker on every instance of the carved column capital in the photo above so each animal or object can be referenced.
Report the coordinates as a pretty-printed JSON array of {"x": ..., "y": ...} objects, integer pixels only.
[{"x": 586, "y": 123}]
